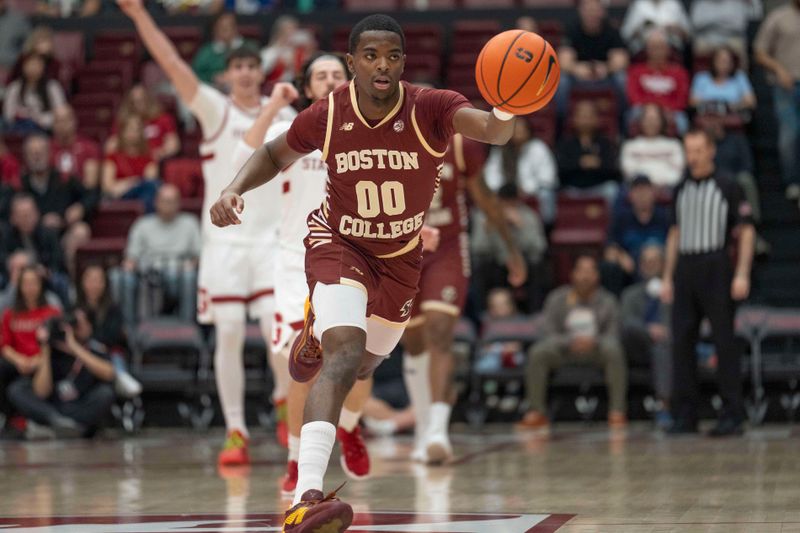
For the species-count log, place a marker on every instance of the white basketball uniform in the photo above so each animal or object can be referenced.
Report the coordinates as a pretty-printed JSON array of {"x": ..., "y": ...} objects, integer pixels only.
[
  {"x": 236, "y": 263},
  {"x": 303, "y": 187}
]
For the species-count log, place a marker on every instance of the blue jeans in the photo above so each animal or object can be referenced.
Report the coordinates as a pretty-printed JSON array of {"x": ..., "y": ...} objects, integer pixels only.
[
  {"x": 609, "y": 190},
  {"x": 173, "y": 281},
  {"x": 787, "y": 111},
  {"x": 146, "y": 192},
  {"x": 615, "y": 81}
]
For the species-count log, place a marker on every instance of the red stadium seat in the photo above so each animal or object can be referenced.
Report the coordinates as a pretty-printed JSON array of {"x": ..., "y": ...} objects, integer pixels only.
[
  {"x": 488, "y": 4},
  {"x": 423, "y": 67},
  {"x": 105, "y": 77},
  {"x": 96, "y": 109},
  {"x": 187, "y": 39},
  {"x": 544, "y": 123},
  {"x": 370, "y": 5},
  {"x": 114, "y": 219},
  {"x": 193, "y": 206},
  {"x": 69, "y": 50},
  {"x": 117, "y": 45},
  {"x": 186, "y": 174},
  {"x": 552, "y": 30},
  {"x": 476, "y": 27},
  {"x": 581, "y": 226},
  {"x": 14, "y": 144},
  {"x": 254, "y": 32},
  {"x": 106, "y": 252},
  {"x": 190, "y": 143},
  {"x": 97, "y": 133}
]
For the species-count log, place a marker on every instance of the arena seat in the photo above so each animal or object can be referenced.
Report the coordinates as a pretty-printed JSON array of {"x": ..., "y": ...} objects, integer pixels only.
[
  {"x": 186, "y": 174},
  {"x": 105, "y": 77},
  {"x": 581, "y": 226},
  {"x": 193, "y": 206},
  {"x": 107, "y": 252},
  {"x": 98, "y": 133},
  {"x": 121, "y": 46},
  {"x": 488, "y": 4},
  {"x": 552, "y": 30},
  {"x": 95, "y": 109},
  {"x": 548, "y": 4},
  {"x": 69, "y": 49},
  {"x": 113, "y": 219},
  {"x": 187, "y": 39},
  {"x": 254, "y": 32},
  {"x": 370, "y": 5},
  {"x": 543, "y": 124}
]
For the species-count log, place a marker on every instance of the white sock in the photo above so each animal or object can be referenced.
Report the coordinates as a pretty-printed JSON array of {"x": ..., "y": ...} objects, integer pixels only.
[
  {"x": 277, "y": 363},
  {"x": 440, "y": 417},
  {"x": 229, "y": 373},
  {"x": 316, "y": 444},
  {"x": 416, "y": 375},
  {"x": 294, "y": 448},
  {"x": 348, "y": 420}
]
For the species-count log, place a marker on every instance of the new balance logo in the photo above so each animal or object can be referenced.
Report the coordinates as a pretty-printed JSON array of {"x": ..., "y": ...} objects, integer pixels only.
[{"x": 347, "y": 126}]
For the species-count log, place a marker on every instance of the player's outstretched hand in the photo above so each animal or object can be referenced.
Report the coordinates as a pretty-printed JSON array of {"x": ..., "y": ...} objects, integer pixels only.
[
  {"x": 517, "y": 269},
  {"x": 226, "y": 210},
  {"x": 430, "y": 238},
  {"x": 130, "y": 7},
  {"x": 285, "y": 93}
]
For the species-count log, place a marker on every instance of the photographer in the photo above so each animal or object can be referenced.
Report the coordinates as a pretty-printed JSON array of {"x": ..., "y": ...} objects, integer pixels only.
[{"x": 70, "y": 390}]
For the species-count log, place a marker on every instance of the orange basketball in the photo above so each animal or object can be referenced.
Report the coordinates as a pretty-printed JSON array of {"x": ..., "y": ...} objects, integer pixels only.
[{"x": 517, "y": 71}]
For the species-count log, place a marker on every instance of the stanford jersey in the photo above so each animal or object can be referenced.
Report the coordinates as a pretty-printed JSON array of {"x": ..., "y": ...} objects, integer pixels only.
[
  {"x": 381, "y": 174},
  {"x": 448, "y": 210}
]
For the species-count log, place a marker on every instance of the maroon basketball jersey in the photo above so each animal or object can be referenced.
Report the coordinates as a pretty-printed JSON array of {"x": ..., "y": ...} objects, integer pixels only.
[
  {"x": 381, "y": 175},
  {"x": 448, "y": 211}
]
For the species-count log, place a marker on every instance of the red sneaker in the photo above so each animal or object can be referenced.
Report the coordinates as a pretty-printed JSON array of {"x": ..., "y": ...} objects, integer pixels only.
[
  {"x": 234, "y": 451},
  {"x": 318, "y": 514},
  {"x": 290, "y": 479},
  {"x": 355, "y": 459},
  {"x": 281, "y": 426},
  {"x": 305, "y": 357}
]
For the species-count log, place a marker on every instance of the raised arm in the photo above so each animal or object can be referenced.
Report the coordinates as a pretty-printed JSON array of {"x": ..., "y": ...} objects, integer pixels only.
[
  {"x": 162, "y": 50},
  {"x": 263, "y": 165},
  {"x": 491, "y": 128}
]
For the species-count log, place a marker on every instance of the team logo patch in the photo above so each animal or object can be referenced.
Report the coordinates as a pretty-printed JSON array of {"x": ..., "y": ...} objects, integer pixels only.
[
  {"x": 406, "y": 309},
  {"x": 347, "y": 126},
  {"x": 399, "y": 126},
  {"x": 358, "y": 271},
  {"x": 449, "y": 294}
]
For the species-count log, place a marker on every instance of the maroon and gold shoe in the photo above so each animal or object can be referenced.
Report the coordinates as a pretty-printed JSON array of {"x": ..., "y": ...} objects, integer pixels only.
[
  {"x": 305, "y": 357},
  {"x": 318, "y": 514}
]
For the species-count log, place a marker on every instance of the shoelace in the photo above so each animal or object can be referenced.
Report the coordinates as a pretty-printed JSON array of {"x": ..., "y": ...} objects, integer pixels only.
[
  {"x": 234, "y": 440},
  {"x": 332, "y": 495}
]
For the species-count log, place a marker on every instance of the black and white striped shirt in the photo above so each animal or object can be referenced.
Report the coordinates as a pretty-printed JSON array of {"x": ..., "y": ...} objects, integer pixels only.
[{"x": 706, "y": 211}]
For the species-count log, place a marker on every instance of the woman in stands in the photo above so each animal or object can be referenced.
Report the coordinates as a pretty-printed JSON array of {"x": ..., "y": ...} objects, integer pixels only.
[
  {"x": 19, "y": 347},
  {"x": 130, "y": 173},
  {"x": 651, "y": 151},
  {"x": 159, "y": 125},
  {"x": 724, "y": 88},
  {"x": 94, "y": 297},
  {"x": 31, "y": 98}
]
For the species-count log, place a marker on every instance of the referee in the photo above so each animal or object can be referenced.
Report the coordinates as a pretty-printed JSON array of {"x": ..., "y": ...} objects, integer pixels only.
[{"x": 699, "y": 276}]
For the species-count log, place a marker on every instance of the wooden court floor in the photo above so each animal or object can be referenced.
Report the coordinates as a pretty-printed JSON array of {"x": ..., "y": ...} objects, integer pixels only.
[{"x": 581, "y": 480}]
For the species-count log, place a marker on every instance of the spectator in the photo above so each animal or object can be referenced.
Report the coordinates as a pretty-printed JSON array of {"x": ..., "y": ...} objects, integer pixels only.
[
  {"x": 777, "y": 48},
  {"x": 195, "y": 7},
  {"x": 249, "y": 7},
  {"x": 645, "y": 15},
  {"x": 40, "y": 41},
  {"x": 31, "y": 98},
  {"x": 165, "y": 244},
  {"x": 497, "y": 355},
  {"x": 9, "y": 167},
  {"x": 288, "y": 48},
  {"x": 14, "y": 28},
  {"x": 59, "y": 8},
  {"x": 659, "y": 81},
  {"x": 591, "y": 54},
  {"x": 159, "y": 126},
  {"x": 94, "y": 297},
  {"x": 645, "y": 328},
  {"x": 130, "y": 172},
  {"x": 529, "y": 164},
  {"x": 632, "y": 228},
  {"x": 71, "y": 153},
  {"x": 490, "y": 252},
  {"x": 724, "y": 88},
  {"x": 69, "y": 390},
  {"x": 580, "y": 325},
  {"x": 209, "y": 62},
  {"x": 17, "y": 262},
  {"x": 19, "y": 348},
  {"x": 718, "y": 23},
  {"x": 587, "y": 161},
  {"x": 65, "y": 204},
  {"x": 25, "y": 232},
  {"x": 651, "y": 152}
]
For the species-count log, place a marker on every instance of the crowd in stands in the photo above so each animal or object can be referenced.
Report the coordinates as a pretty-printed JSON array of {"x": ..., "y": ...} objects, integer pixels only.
[{"x": 629, "y": 90}]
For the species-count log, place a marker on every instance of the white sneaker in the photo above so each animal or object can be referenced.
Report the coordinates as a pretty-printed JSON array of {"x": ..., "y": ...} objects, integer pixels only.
[
  {"x": 380, "y": 428},
  {"x": 438, "y": 449},
  {"x": 419, "y": 453},
  {"x": 126, "y": 385},
  {"x": 34, "y": 431}
]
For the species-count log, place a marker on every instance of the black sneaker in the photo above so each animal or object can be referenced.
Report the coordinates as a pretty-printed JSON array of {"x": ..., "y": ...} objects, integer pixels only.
[
  {"x": 683, "y": 426},
  {"x": 727, "y": 426}
]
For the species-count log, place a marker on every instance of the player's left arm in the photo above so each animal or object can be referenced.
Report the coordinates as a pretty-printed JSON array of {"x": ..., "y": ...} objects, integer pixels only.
[
  {"x": 490, "y": 128},
  {"x": 487, "y": 202}
]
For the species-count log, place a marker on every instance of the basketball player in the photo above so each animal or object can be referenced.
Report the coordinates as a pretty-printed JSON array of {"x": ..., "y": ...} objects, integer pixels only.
[
  {"x": 384, "y": 142},
  {"x": 236, "y": 268},
  {"x": 428, "y": 363},
  {"x": 303, "y": 187}
]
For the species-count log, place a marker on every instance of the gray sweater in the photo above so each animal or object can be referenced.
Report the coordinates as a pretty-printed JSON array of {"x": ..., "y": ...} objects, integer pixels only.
[
  {"x": 151, "y": 241},
  {"x": 562, "y": 304},
  {"x": 14, "y": 29}
]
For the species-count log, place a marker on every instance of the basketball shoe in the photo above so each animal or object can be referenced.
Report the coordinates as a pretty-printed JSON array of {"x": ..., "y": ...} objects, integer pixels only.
[
  {"x": 305, "y": 357},
  {"x": 290, "y": 479},
  {"x": 234, "y": 451},
  {"x": 354, "y": 459},
  {"x": 281, "y": 424},
  {"x": 318, "y": 514}
]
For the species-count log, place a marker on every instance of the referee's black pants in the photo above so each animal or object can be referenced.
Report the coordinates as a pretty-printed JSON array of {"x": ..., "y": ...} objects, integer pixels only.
[{"x": 702, "y": 288}]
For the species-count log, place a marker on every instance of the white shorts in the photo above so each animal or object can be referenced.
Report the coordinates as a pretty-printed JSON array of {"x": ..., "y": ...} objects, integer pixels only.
[
  {"x": 291, "y": 291},
  {"x": 235, "y": 280}
]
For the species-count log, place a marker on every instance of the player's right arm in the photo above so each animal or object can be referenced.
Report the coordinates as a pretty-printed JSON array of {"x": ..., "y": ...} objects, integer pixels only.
[{"x": 162, "y": 50}]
